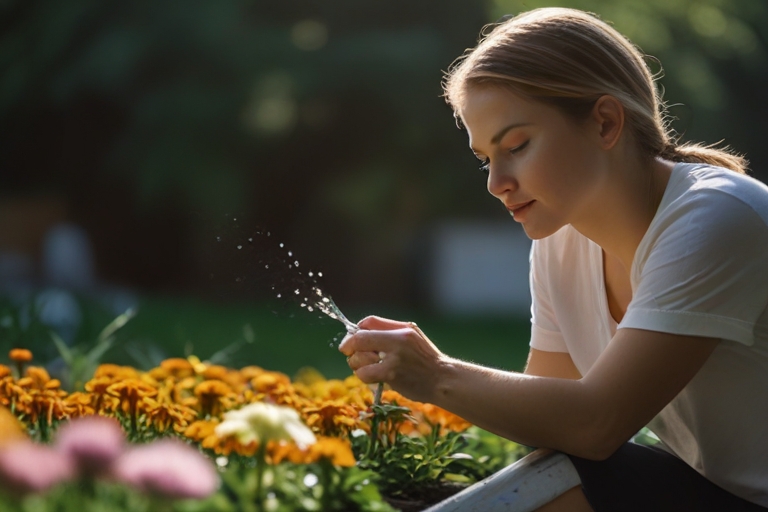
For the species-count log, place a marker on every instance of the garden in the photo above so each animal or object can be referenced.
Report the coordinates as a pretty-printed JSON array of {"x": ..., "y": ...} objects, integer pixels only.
[{"x": 192, "y": 435}]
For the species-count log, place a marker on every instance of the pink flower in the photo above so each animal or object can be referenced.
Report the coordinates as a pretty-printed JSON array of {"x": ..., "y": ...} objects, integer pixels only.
[
  {"x": 28, "y": 467},
  {"x": 167, "y": 467},
  {"x": 92, "y": 442}
]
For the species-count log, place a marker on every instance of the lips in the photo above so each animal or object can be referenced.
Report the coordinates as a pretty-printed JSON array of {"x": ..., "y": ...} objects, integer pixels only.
[{"x": 517, "y": 207}]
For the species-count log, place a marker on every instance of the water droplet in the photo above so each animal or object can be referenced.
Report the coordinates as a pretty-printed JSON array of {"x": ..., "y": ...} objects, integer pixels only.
[
  {"x": 330, "y": 345},
  {"x": 290, "y": 266},
  {"x": 281, "y": 244},
  {"x": 319, "y": 292},
  {"x": 235, "y": 219},
  {"x": 239, "y": 246},
  {"x": 296, "y": 291},
  {"x": 279, "y": 295},
  {"x": 237, "y": 279},
  {"x": 325, "y": 299},
  {"x": 310, "y": 274},
  {"x": 302, "y": 304},
  {"x": 310, "y": 308},
  {"x": 218, "y": 239},
  {"x": 266, "y": 266},
  {"x": 296, "y": 263},
  {"x": 250, "y": 239},
  {"x": 319, "y": 274},
  {"x": 269, "y": 234},
  {"x": 290, "y": 253}
]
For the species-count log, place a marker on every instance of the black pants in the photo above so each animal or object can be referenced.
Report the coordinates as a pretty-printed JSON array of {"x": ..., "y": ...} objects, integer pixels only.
[{"x": 647, "y": 479}]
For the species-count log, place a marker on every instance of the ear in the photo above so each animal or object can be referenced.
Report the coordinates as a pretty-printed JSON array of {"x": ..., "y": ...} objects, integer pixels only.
[{"x": 608, "y": 113}]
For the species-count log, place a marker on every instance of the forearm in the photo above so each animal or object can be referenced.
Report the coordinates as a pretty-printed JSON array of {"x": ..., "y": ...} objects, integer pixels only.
[{"x": 536, "y": 411}]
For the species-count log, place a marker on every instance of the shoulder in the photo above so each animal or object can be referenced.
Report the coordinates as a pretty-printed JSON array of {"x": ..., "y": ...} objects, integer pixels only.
[{"x": 717, "y": 193}]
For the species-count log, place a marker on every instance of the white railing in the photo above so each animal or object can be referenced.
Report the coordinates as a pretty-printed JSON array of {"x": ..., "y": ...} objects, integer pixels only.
[{"x": 524, "y": 486}]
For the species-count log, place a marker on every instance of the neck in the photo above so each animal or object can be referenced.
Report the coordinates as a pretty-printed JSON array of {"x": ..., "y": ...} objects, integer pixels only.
[{"x": 624, "y": 208}]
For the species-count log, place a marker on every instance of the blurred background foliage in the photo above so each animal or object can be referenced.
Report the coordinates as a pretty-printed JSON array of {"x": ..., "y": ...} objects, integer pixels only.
[{"x": 154, "y": 124}]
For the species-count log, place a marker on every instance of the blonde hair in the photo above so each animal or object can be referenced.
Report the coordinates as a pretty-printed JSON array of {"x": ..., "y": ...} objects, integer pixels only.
[{"x": 569, "y": 58}]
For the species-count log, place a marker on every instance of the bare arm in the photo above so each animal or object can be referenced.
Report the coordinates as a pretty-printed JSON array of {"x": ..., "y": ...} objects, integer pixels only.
[
  {"x": 636, "y": 376},
  {"x": 551, "y": 364}
]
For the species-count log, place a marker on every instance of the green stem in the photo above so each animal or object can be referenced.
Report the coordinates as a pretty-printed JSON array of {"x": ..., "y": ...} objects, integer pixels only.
[
  {"x": 326, "y": 476},
  {"x": 260, "y": 463}
]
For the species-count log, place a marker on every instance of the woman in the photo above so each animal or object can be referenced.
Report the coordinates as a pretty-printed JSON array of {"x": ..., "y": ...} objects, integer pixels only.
[{"x": 648, "y": 278}]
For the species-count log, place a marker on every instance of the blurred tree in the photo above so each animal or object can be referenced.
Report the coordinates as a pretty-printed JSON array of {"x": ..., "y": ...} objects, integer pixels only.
[{"x": 319, "y": 120}]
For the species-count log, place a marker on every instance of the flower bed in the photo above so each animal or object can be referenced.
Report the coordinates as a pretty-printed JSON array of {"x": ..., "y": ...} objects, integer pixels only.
[{"x": 188, "y": 435}]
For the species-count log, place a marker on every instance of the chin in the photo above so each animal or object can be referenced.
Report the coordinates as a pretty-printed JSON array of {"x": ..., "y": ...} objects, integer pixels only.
[{"x": 538, "y": 232}]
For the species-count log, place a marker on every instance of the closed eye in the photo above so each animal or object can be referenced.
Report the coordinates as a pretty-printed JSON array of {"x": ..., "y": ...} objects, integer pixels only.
[{"x": 520, "y": 147}]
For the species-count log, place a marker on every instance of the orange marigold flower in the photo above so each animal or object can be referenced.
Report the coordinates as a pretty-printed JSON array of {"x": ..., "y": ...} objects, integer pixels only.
[
  {"x": 10, "y": 428},
  {"x": 79, "y": 404},
  {"x": 270, "y": 381},
  {"x": 248, "y": 373},
  {"x": 425, "y": 416},
  {"x": 20, "y": 355},
  {"x": 36, "y": 378},
  {"x": 215, "y": 372},
  {"x": 101, "y": 400},
  {"x": 331, "y": 417},
  {"x": 7, "y": 390},
  {"x": 115, "y": 372},
  {"x": 165, "y": 415},
  {"x": 5, "y": 371},
  {"x": 178, "y": 367},
  {"x": 338, "y": 451},
  {"x": 131, "y": 393},
  {"x": 38, "y": 404},
  {"x": 214, "y": 397}
]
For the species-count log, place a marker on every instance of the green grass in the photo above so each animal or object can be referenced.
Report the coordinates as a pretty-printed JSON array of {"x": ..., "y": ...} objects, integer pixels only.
[{"x": 291, "y": 338}]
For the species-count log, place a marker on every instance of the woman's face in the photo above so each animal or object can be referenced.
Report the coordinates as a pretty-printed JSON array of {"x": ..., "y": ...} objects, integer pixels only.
[{"x": 544, "y": 167}]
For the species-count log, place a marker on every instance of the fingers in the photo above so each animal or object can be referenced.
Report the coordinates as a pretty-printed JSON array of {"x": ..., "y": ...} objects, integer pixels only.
[
  {"x": 373, "y": 341},
  {"x": 360, "y": 359},
  {"x": 377, "y": 323}
]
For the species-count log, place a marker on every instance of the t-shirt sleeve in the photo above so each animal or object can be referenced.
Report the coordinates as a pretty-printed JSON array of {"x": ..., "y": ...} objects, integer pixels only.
[
  {"x": 545, "y": 331},
  {"x": 705, "y": 271}
]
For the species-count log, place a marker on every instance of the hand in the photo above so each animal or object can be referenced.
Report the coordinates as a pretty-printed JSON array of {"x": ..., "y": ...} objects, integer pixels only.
[{"x": 397, "y": 353}]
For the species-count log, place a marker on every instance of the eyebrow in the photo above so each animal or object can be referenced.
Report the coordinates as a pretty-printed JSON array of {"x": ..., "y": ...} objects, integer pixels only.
[{"x": 497, "y": 138}]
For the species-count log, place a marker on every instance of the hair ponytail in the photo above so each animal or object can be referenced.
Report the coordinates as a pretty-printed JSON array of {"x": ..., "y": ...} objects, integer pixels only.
[
  {"x": 700, "y": 153},
  {"x": 569, "y": 58}
]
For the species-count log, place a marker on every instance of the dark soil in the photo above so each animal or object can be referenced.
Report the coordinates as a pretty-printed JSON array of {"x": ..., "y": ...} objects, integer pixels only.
[{"x": 424, "y": 497}]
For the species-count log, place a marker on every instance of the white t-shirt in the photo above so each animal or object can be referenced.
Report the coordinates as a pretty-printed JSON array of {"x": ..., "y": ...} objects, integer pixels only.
[{"x": 701, "y": 269}]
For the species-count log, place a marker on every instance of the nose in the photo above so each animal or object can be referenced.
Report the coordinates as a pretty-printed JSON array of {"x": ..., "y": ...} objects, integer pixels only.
[{"x": 501, "y": 181}]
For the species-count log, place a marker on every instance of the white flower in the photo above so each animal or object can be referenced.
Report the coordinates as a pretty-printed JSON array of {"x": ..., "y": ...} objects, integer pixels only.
[{"x": 265, "y": 422}]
